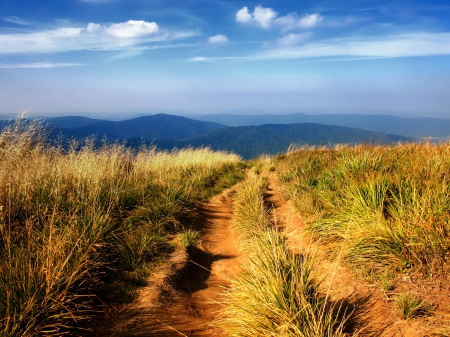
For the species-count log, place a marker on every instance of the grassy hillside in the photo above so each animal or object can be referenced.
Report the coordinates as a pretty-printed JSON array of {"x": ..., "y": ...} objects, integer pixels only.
[
  {"x": 385, "y": 211},
  {"x": 82, "y": 228},
  {"x": 277, "y": 293},
  {"x": 390, "y": 204}
]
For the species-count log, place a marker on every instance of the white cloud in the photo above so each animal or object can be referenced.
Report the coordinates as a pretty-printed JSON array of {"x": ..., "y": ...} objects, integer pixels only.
[
  {"x": 124, "y": 30},
  {"x": 38, "y": 65},
  {"x": 261, "y": 16},
  {"x": 199, "y": 59},
  {"x": 309, "y": 20},
  {"x": 264, "y": 16},
  {"x": 267, "y": 17},
  {"x": 243, "y": 15},
  {"x": 293, "y": 21},
  {"x": 294, "y": 39},
  {"x": 218, "y": 39},
  {"x": 94, "y": 36}
]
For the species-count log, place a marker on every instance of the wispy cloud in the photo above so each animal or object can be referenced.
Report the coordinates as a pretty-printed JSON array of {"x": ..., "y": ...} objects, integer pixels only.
[
  {"x": 268, "y": 18},
  {"x": 224, "y": 58},
  {"x": 395, "y": 46},
  {"x": 38, "y": 65},
  {"x": 94, "y": 36},
  {"x": 16, "y": 20},
  {"x": 292, "y": 39},
  {"x": 138, "y": 50},
  {"x": 218, "y": 39}
]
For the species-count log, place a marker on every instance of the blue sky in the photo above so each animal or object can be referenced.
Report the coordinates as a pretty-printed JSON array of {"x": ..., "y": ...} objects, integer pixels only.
[{"x": 125, "y": 57}]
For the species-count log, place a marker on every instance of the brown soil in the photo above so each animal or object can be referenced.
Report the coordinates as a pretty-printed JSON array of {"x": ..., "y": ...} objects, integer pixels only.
[
  {"x": 370, "y": 311},
  {"x": 184, "y": 296}
]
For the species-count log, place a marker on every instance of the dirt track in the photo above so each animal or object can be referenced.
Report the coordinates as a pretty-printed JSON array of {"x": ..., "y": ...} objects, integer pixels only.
[
  {"x": 190, "y": 301},
  {"x": 188, "y": 304}
]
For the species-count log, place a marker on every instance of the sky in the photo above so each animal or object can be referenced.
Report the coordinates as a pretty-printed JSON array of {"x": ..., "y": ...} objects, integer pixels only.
[{"x": 129, "y": 57}]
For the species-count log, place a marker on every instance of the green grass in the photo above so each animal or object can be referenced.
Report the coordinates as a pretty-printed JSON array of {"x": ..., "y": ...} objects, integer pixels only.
[
  {"x": 189, "y": 237},
  {"x": 409, "y": 305}
]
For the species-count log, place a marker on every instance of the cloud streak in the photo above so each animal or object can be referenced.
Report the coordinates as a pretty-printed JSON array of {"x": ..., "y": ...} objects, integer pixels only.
[
  {"x": 117, "y": 36},
  {"x": 402, "y": 45},
  {"x": 38, "y": 65},
  {"x": 16, "y": 20}
]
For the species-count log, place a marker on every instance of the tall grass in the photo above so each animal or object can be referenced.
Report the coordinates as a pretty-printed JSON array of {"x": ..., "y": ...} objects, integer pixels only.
[
  {"x": 277, "y": 294},
  {"x": 390, "y": 203},
  {"x": 75, "y": 217}
]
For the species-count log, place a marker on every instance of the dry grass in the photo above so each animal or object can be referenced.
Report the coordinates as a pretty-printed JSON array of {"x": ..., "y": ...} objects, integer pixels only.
[
  {"x": 394, "y": 200},
  {"x": 277, "y": 294},
  {"x": 75, "y": 217}
]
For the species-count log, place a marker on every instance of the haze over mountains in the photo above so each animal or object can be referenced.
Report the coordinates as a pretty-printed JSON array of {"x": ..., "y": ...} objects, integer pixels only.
[{"x": 168, "y": 131}]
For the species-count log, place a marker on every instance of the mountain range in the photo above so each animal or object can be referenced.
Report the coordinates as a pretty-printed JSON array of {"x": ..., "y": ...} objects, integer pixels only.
[
  {"x": 252, "y": 141},
  {"x": 168, "y": 132},
  {"x": 410, "y": 127}
]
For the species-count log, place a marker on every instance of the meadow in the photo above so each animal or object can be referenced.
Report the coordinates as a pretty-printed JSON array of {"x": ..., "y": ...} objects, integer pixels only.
[
  {"x": 385, "y": 210},
  {"x": 389, "y": 203},
  {"x": 83, "y": 226}
]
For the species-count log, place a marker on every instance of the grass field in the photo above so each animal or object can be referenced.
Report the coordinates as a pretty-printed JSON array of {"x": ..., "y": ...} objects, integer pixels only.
[
  {"x": 277, "y": 294},
  {"x": 82, "y": 226},
  {"x": 390, "y": 204}
]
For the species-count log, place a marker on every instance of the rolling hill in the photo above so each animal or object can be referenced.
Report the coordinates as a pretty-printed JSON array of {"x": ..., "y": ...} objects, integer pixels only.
[
  {"x": 160, "y": 126},
  {"x": 410, "y": 127},
  {"x": 252, "y": 141}
]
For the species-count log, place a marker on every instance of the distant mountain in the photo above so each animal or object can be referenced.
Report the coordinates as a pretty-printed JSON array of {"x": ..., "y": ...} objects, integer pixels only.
[
  {"x": 160, "y": 126},
  {"x": 168, "y": 131},
  {"x": 70, "y": 122},
  {"x": 410, "y": 127},
  {"x": 252, "y": 141}
]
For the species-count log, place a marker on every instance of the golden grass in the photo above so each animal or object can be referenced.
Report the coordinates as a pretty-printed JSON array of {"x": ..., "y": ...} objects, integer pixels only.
[
  {"x": 75, "y": 217},
  {"x": 390, "y": 203},
  {"x": 277, "y": 293}
]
